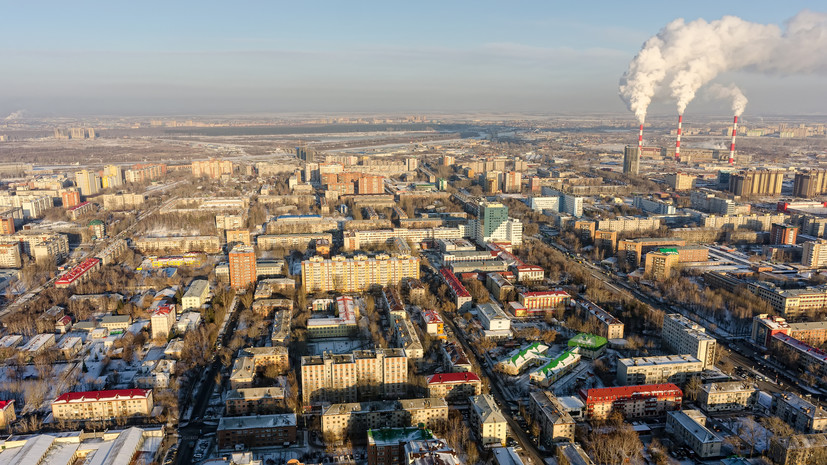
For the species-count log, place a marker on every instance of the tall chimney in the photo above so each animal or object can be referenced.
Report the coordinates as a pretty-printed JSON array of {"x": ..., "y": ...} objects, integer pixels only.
[
  {"x": 732, "y": 144},
  {"x": 640, "y": 138},
  {"x": 678, "y": 140}
]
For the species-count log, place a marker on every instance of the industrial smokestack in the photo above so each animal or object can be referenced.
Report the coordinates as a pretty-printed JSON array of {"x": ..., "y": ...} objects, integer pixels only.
[
  {"x": 678, "y": 140},
  {"x": 732, "y": 144},
  {"x": 640, "y": 138}
]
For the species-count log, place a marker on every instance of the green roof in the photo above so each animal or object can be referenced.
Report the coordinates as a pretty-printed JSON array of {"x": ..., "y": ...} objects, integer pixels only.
[
  {"x": 397, "y": 435},
  {"x": 557, "y": 361},
  {"x": 668, "y": 250},
  {"x": 588, "y": 341},
  {"x": 95, "y": 222},
  {"x": 522, "y": 353}
]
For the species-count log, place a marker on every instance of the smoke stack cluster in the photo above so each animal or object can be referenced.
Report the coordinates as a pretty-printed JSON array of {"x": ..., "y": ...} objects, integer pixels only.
[
  {"x": 732, "y": 144},
  {"x": 678, "y": 140}
]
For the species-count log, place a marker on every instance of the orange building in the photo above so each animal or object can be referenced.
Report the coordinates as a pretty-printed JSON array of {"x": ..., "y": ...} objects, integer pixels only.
[
  {"x": 6, "y": 225},
  {"x": 371, "y": 184},
  {"x": 70, "y": 198},
  {"x": 242, "y": 266}
]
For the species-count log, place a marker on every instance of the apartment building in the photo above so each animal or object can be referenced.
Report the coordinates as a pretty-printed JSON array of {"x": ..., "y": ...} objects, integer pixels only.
[
  {"x": 161, "y": 321},
  {"x": 342, "y": 325},
  {"x": 394, "y": 446},
  {"x": 790, "y": 302},
  {"x": 355, "y": 419},
  {"x": 689, "y": 427},
  {"x": 242, "y": 261},
  {"x": 266, "y": 356},
  {"x": 814, "y": 254},
  {"x": 10, "y": 256},
  {"x": 291, "y": 241},
  {"x": 256, "y": 431},
  {"x": 752, "y": 222},
  {"x": 543, "y": 299},
  {"x": 799, "y": 413},
  {"x": 196, "y": 295},
  {"x": 643, "y": 401},
  {"x": 656, "y": 370},
  {"x": 355, "y": 240},
  {"x": 610, "y": 327},
  {"x": 340, "y": 377},
  {"x": 660, "y": 263},
  {"x": 254, "y": 401},
  {"x": 243, "y": 373},
  {"x": 556, "y": 425},
  {"x": 212, "y": 168},
  {"x": 356, "y": 274},
  {"x": 756, "y": 183},
  {"x": 680, "y": 181},
  {"x": 454, "y": 358},
  {"x": 629, "y": 224},
  {"x": 488, "y": 421},
  {"x": 634, "y": 249},
  {"x": 727, "y": 396},
  {"x": 456, "y": 387},
  {"x": 683, "y": 336},
  {"x": 103, "y": 405},
  {"x": 177, "y": 244},
  {"x": 462, "y": 298}
]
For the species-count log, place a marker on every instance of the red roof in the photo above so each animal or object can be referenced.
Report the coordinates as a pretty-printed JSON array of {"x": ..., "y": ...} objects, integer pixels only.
[
  {"x": 627, "y": 392},
  {"x": 545, "y": 294},
  {"x": 80, "y": 205},
  {"x": 5, "y": 403},
  {"x": 78, "y": 271},
  {"x": 454, "y": 283},
  {"x": 65, "y": 320},
  {"x": 451, "y": 378},
  {"x": 98, "y": 396}
]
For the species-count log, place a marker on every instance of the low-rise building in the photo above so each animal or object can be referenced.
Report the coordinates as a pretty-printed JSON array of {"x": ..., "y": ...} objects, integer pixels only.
[
  {"x": 196, "y": 295},
  {"x": 556, "y": 425},
  {"x": 494, "y": 320},
  {"x": 799, "y": 413},
  {"x": 256, "y": 431},
  {"x": 103, "y": 405},
  {"x": 454, "y": 358},
  {"x": 116, "y": 323},
  {"x": 798, "y": 449},
  {"x": 556, "y": 368},
  {"x": 610, "y": 327},
  {"x": 355, "y": 419},
  {"x": 454, "y": 386},
  {"x": 243, "y": 373},
  {"x": 689, "y": 427},
  {"x": 644, "y": 401},
  {"x": 727, "y": 396},
  {"x": 254, "y": 401},
  {"x": 530, "y": 355},
  {"x": 655, "y": 370},
  {"x": 488, "y": 421},
  {"x": 589, "y": 345}
]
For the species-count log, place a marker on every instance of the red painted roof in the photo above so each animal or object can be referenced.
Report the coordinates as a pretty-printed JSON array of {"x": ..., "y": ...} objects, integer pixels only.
[
  {"x": 97, "y": 396},
  {"x": 65, "y": 320},
  {"x": 5, "y": 403},
  {"x": 530, "y": 268},
  {"x": 80, "y": 205},
  {"x": 630, "y": 391},
  {"x": 77, "y": 271},
  {"x": 450, "y": 378},
  {"x": 545, "y": 293},
  {"x": 454, "y": 283}
]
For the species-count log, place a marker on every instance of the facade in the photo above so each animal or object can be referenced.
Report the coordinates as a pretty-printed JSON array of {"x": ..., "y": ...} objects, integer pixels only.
[
  {"x": 810, "y": 183},
  {"x": 211, "y": 168},
  {"x": 79, "y": 273},
  {"x": 493, "y": 319},
  {"x": 680, "y": 181},
  {"x": 727, "y": 396},
  {"x": 556, "y": 425},
  {"x": 177, "y": 244},
  {"x": 689, "y": 427},
  {"x": 791, "y": 302},
  {"x": 610, "y": 327},
  {"x": 494, "y": 225},
  {"x": 242, "y": 266},
  {"x": 454, "y": 386},
  {"x": 355, "y": 419},
  {"x": 543, "y": 299},
  {"x": 357, "y": 273},
  {"x": 70, "y": 198},
  {"x": 340, "y": 377},
  {"x": 659, "y": 264},
  {"x": 103, "y": 405},
  {"x": 488, "y": 421},
  {"x": 395, "y": 446},
  {"x": 462, "y": 298},
  {"x": 631, "y": 160},
  {"x": 801, "y": 414},
  {"x": 683, "y": 336},
  {"x": 633, "y": 401},
  {"x": 161, "y": 321},
  {"x": 88, "y": 182},
  {"x": 656, "y": 370},
  {"x": 256, "y": 431},
  {"x": 756, "y": 183},
  {"x": 554, "y": 369},
  {"x": 254, "y": 401},
  {"x": 196, "y": 295},
  {"x": 814, "y": 254},
  {"x": 636, "y": 248},
  {"x": 10, "y": 256},
  {"x": 783, "y": 234}
]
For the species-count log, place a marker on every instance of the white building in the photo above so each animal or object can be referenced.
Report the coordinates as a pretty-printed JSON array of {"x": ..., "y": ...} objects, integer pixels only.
[
  {"x": 196, "y": 295},
  {"x": 494, "y": 320},
  {"x": 657, "y": 370},
  {"x": 689, "y": 427},
  {"x": 683, "y": 336},
  {"x": 488, "y": 421}
]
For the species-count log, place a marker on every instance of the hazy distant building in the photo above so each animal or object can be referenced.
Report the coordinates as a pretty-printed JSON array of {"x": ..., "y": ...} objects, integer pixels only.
[
  {"x": 680, "y": 181},
  {"x": 631, "y": 160},
  {"x": 756, "y": 182},
  {"x": 810, "y": 183}
]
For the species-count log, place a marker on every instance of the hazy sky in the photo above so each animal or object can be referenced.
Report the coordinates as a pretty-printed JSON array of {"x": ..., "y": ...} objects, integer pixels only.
[{"x": 203, "y": 57}]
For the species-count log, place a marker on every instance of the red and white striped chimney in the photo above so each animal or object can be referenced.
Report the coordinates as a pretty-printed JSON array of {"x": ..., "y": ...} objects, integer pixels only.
[
  {"x": 732, "y": 144},
  {"x": 678, "y": 140},
  {"x": 640, "y": 138}
]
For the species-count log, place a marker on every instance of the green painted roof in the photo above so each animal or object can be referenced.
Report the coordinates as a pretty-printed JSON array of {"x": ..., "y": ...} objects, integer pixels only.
[
  {"x": 95, "y": 222},
  {"x": 525, "y": 350},
  {"x": 588, "y": 341},
  {"x": 559, "y": 360}
]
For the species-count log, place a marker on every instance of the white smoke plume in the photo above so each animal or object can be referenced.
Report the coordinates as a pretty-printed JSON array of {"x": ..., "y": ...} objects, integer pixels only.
[
  {"x": 689, "y": 55},
  {"x": 731, "y": 92},
  {"x": 14, "y": 115}
]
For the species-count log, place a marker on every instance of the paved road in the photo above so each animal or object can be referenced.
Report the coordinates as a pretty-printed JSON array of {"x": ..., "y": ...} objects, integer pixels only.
[
  {"x": 526, "y": 442},
  {"x": 197, "y": 428}
]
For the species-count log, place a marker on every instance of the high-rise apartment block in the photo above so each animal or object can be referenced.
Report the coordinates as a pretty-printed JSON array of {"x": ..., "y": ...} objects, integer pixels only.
[
  {"x": 783, "y": 234},
  {"x": 631, "y": 160},
  {"x": 494, "y": 225},
  {"x": 512, "y": 181},
  {"x": 810, "y": 183},
  {"x": 212, "y": 168},
  {"x": 814, "y": 254},
  {"x": 112, "y": 176},
  {"x": 70, "y": 198},
  {"x": 242, "y": 266},
  {"x": 683, "y": 336},
  {"x": 371, "y": 184},
  {"x": 756, "y": 183},
  {"x": 344, "y": 377},
  {"x": 88, "y": 182},
  {"x": 680, "y": 181}
]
